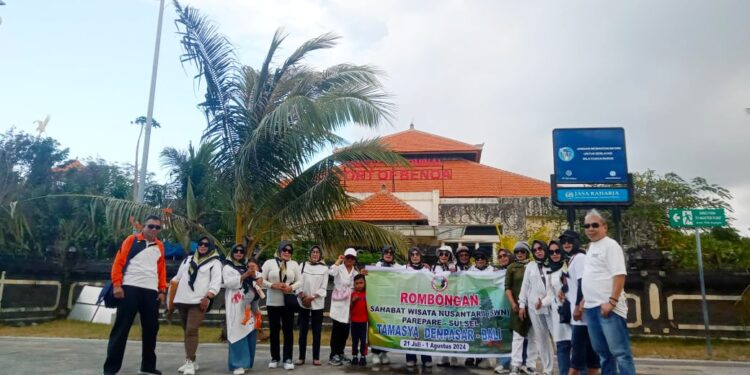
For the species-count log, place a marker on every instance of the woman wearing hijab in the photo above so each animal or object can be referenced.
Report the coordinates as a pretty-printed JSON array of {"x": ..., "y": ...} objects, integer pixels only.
[
  {"x": 281, "y": 276},
  {"x": 444, "y": 260},
  {"x": 197, "y": 281},
  {"x": 387, "y": 259},
  {"x": 481, "y": 265},
  {"x": 312, "y": 296},
  {"x": 416, "y": 264},
  {"x": 343, "y": 272},
  {"x": 463, "y": 258},
  {"x": 503, "y": 261},
  {"x": 240, "y": 294},
  {"x": 521, "y": 349},
  {"x": 560, "y": 309},
  {"x": 533, "y": 291}
]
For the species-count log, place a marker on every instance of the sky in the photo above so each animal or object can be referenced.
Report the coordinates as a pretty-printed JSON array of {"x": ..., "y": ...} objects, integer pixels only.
[{"x": 674, "y": 73}]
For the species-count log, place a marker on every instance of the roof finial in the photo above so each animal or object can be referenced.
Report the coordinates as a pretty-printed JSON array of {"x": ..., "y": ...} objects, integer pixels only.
[{"x": 411, "y": 126}]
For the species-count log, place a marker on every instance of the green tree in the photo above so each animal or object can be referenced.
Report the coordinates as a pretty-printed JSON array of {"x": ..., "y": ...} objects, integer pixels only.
[
  {"x": 268, "y": 125},
  {"x": 646, "y": 222}
]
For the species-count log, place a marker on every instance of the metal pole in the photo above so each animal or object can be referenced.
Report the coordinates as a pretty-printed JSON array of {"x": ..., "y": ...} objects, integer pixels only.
[
  {"x": 150, "y": 113},
  {"x": 709, "y": 350},
  {"x": 571, "y": 218}
]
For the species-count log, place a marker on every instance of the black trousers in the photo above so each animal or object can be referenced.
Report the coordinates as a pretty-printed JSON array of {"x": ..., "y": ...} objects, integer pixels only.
[
  {"x": 305, "y": 316},
  {"x": 137, "y": 301},
  {"x": 359, "y": 338},
  {"x": 339, "y": 335},
  {"x": 281, "y": 318}
]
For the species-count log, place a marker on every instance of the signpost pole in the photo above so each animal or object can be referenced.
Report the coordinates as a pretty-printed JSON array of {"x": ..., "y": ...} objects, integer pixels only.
[
  {"x": 571, "y": 218},
  {"x": 709, "y": 350}
]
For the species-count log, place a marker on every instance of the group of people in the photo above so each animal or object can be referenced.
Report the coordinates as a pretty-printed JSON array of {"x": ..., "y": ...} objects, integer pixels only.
[{"x": 557, "y": 291}]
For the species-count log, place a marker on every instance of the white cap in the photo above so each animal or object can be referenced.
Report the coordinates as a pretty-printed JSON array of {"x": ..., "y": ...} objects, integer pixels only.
[{"x": 350, "y": 251}]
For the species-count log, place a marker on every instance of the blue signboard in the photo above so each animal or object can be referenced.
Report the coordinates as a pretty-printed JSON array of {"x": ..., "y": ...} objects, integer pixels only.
[
  {"x": 590, "y": 155},
  {"x": 593, "y": 195}
]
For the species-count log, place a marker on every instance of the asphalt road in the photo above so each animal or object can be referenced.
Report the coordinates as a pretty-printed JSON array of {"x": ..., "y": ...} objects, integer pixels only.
[{"x": 25, "y": 355}]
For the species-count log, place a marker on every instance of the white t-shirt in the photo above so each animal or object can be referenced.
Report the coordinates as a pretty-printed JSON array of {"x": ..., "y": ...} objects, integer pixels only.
[
  {"x": 604, "y": 260},
  {"x": 575, "y": 271},
  {"x": 142, "y": 270}
]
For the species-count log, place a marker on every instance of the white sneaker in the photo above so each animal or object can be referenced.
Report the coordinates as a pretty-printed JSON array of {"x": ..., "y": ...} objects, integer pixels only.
[
  {"x": 514, "y": 370},
  {"x": 189, "y": 368},
  {"x": 500, "y": 370},
  {"x": 528, "y": 370},
  {"x": 238, "y": 371},
  {"x": 182, "y": 368},
  {"x": 376, "y": 359},
  {"x": 384, "y": 358},
  {"x": 411, "y": 363},
  {"x": 288, "y": 365},
  {"x": 273, "y": 364}
]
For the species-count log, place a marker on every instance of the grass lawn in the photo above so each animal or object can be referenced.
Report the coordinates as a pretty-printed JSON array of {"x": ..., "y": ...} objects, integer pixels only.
[{"x": 676, "y": 348}]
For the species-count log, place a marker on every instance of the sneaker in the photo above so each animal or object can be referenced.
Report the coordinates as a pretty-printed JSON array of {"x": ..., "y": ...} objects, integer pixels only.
[
  {"x": 376, "y": 359},
  {"x": 514, "y": 370},
  {"x": 384, "y": 359},
  {"x": 444, "y": 361},
  {"x": 299, "y": 362},
  {"x": 484, "y": 364},
  {"x": 273, "y": 364},
  {"x": 239, "y": 371},
  {"x": 469, "y": 362},
  {"x": 411, "y": 363},
  {"x": 527, "y": 370},
  {"x": 189, "y": 368},
  {"x": 346, "y": 360},
  {"x": 362, "y": 361},
  {"x": 335, "y": 360},
  {"x": 288, "y": 365},
  {"x": 500, "y": 370},
  {"x": 182, "y": 368},
  {"x": 427, "y": 364},
  {"x": 149, "y": 372},
  {"x": 354, "y": 361}
]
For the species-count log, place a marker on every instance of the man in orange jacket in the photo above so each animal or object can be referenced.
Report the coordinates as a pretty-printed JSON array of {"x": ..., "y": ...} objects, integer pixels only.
[{"x": 139, "y": 278}]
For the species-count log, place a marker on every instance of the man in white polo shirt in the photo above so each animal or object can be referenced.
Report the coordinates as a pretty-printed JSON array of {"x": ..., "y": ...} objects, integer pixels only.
[{"x": 604, "y": 298}]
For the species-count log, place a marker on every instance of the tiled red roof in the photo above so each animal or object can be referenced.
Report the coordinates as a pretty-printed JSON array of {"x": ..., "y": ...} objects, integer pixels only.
[
  {"x": 384, "y": 207},
  {"x": 454, "y": 179},
  {"x": 415, "y": 141}
]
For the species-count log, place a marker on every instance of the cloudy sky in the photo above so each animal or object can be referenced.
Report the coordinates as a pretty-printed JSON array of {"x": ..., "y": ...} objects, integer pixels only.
[{"x": 674, "y": 74}]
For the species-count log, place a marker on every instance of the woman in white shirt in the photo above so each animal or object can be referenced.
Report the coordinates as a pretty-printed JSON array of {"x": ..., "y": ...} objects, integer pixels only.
[
  {"x": 281, "y": 275},
  {"x": 312, "y": 296},
  {"x": 561, "y": 330},
  {"x": 343, "y": 272},
  {"x": 533, "y": 291},
  {"x": 481, "y": 264},
  {"x": 197, "y": 281},
  {"x": 239, "y": 275}
]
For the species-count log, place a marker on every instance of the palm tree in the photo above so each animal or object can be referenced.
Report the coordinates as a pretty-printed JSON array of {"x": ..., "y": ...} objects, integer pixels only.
[{"x": 268, "y": 125}]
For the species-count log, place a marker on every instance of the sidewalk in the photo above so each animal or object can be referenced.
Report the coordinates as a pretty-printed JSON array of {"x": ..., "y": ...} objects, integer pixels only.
[{"x": 23, "y": 355}]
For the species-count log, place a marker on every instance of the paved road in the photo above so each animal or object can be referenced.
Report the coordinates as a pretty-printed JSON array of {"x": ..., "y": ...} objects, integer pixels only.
[{"x": 24, "y": 355}]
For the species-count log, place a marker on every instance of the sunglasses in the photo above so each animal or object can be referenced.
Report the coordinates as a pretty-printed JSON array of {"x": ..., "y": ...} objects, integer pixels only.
[
  {"x": 538, "y": 248},
  {"x": 204, "y": 244},
  {"x": 154, "y": 226},
  {"x": 463, "y": 254},
  {"x": 415, "y": 254},
  {"x": 591, "y": 225},
  {"x": 443, "y": 253},
  {"x": 238, "y": 250},
  {"x": 286, "y": 250},
  {"x": 388, "y": 252},
  {"x": 480, "y": 258},
  {"x": 502, "y": 255},
  {"x": 520, "y": 252},
  {"x": 553, "y": 252}
]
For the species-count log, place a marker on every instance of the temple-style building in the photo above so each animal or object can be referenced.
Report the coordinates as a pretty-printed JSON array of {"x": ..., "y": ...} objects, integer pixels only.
[{"x": 447, "y": 196}]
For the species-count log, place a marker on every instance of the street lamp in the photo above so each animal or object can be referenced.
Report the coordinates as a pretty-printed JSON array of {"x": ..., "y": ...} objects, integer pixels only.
[{"x": 150, "y": 112}]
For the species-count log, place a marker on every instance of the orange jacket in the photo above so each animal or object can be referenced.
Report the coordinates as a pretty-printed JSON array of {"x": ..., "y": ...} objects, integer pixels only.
[{"x": 122, "y": 257}]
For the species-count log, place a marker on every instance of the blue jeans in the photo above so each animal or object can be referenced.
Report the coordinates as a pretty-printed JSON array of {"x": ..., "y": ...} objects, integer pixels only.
[
  {"x": 609, "y": 338},
  {"x": 563, "y": 356}
]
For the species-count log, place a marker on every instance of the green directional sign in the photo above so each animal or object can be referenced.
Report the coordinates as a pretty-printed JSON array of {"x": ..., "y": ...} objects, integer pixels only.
[{"x": 697, "y": 217}]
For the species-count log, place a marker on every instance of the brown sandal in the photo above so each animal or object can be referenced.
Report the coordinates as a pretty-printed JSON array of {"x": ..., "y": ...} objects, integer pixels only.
[
  {"x": 316, "y": 362},
  {"x": 299, "y": 362}
]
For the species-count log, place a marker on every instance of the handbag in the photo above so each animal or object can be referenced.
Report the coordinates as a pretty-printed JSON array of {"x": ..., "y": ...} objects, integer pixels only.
[
  {"x": 107, "y": 294},
  {"x": 564, "y": 311},
  {"x": 341, "y": 293}
]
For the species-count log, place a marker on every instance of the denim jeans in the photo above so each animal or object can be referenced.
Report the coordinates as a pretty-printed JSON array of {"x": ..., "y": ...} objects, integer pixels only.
[
  {"x": 563, "y": 356},
  {"x": 609, "y": 338}
]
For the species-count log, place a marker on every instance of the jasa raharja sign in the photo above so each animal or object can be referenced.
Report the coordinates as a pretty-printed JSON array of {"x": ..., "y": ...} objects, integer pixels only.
[{"x": 590, "y": 156}]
